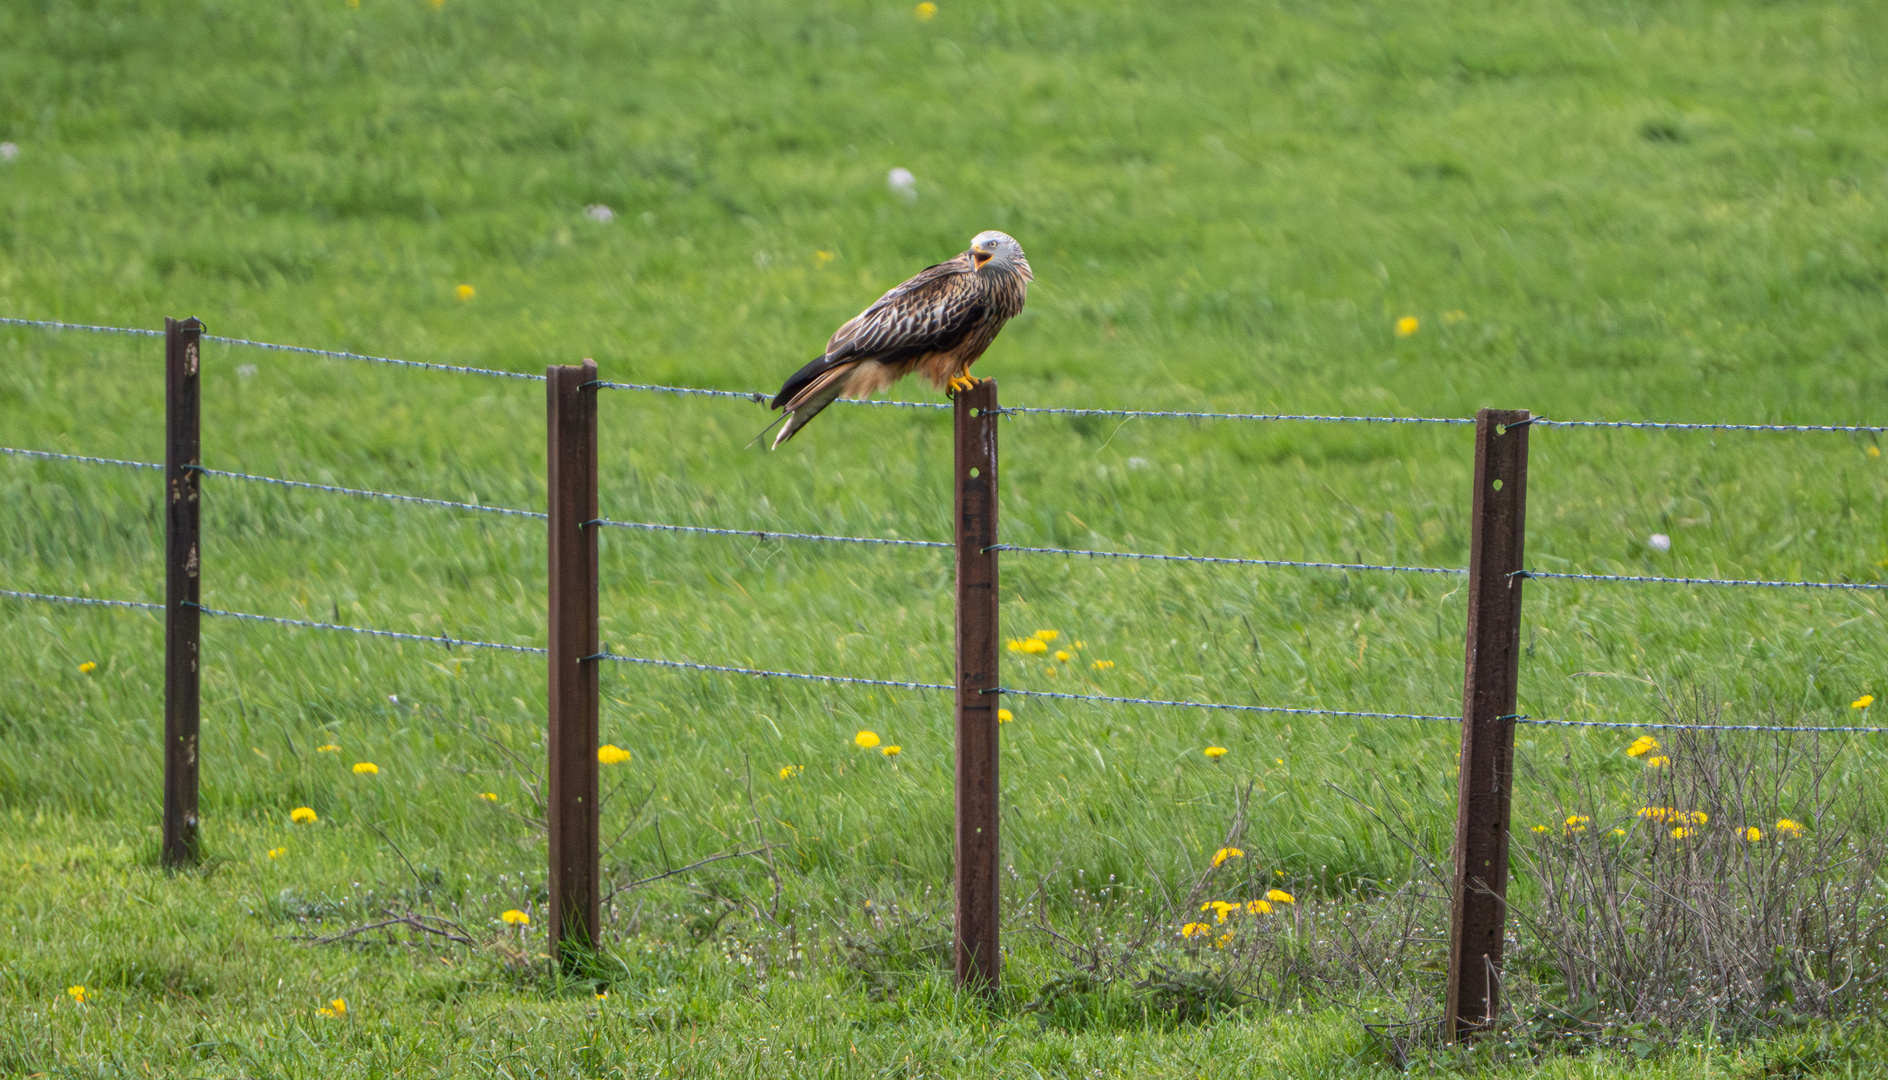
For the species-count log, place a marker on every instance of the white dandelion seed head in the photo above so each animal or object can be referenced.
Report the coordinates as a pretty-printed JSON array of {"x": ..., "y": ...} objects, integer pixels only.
[
  {"x": 9, "y": 151},
  {"x": 599, "y": 212},
  {"x": 1659, "y": 542},
  {"x": 902, "y": 183}
]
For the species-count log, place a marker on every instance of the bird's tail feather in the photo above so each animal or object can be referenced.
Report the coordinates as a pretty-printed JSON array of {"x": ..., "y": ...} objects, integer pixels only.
[{"x": 809, "y": 402}]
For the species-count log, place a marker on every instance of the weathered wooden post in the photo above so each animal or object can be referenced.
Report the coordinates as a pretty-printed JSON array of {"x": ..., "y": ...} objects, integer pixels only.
[
  {"x": 573, "y": 811},
  {"x": 1492, "y": 661},
  {"x": 183, "y": 565},
  {"x": 979, "y": 959}
]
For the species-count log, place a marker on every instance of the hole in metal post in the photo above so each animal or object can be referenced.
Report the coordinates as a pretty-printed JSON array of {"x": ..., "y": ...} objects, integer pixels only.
[
  {"x": 974, "y": 472},
  {"x": 1501, "y": 429},
  {"x": 1497, "y": 485},
  {"x": 974, "y": 410}
]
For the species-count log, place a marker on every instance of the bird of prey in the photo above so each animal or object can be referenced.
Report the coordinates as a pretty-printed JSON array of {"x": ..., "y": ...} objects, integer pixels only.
[{"x": 937, "y": 324}]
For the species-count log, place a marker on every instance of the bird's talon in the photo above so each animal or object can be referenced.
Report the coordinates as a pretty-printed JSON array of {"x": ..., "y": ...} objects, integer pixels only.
[{"x": 961, "y": 383}]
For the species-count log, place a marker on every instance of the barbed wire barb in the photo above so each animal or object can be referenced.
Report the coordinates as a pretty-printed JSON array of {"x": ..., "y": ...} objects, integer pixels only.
[{"x": 362, "y": 492}]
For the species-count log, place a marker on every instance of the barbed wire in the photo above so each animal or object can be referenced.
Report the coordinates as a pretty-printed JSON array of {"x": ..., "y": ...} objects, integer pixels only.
[
  {"x": 370, "y": 494},
  {"x": 1228, "y": 560},
  {"x": 1174, "y": 415},
  {"x": 1678, "y": 426},
  {"x": 1649, "y": 579},
  {"x": 80, "y": 457},
  {"x": 765, "y": 673},
  {"x": 442, "y": 639},
  {"x": 681, "y": 391},
  {"x": 50, "y": 324},
  {"x": 55, "y": 598},
  {"x": 1217, "y": 705},
  {"x": 339, "y": 355},
  {"x": 765, "y": 535},
  {"x": 1673, "y": 726}
]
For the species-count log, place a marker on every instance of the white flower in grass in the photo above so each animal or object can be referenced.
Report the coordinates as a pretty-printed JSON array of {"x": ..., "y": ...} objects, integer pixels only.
[
  {"x": 903, "y": 184},
  {"x": 599, "y": 212},
  {"x": 9, "y": 151},
  {"x": 1659, "y": 542}
]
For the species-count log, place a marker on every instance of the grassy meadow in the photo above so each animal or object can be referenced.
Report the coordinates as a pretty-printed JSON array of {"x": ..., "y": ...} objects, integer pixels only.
[{"x": 1671, "y": 211}]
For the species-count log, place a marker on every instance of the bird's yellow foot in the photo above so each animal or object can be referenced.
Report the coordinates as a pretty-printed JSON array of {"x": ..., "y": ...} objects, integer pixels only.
[{"x": 961, "y": 383}]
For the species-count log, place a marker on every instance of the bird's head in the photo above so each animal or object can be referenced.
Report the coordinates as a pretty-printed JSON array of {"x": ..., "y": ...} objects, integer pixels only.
[{"x": 993, "y": 250}]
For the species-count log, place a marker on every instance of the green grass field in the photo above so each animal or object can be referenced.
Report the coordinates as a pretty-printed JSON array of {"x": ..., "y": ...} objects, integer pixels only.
[{"x": 1673, "y": 211}]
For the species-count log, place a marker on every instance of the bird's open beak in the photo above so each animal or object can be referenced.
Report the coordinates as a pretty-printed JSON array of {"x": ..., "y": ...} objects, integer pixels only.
[{"x": 980, "y": 256}]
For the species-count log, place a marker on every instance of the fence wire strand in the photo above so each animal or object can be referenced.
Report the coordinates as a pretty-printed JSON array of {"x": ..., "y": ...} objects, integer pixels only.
[
  {"x": 1228, "y": 560},
  {"x": 1646, "y": 579},
  {"x": 1673, "y": 726},
  {"x": 371, "y": 494},
  {"x": 309, "y": 624},
  {"x": 48, "y": 454},
  {"x": 767, "y": 674},
  {"x": 1217, "y": 705},
  {"x": 766, "y": 535},
  {"x": 50, "y": 324},
  {"x": 55, "y": 598},
  {"x": 1679, "y": 426},
  {"x": 339, "y": 355}
]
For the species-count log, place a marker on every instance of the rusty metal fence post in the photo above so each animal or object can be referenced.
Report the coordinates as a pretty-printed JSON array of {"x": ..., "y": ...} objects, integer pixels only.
[
  {"x": 183, "y": 412},
  {"x": 979, "y": 959},
  {"x": 1492, "y": 662},
  {"x": 572, "y": 812}
]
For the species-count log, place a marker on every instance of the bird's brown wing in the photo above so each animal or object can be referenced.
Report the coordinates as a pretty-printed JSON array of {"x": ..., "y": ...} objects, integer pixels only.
[{"x": 930, "y": 313}]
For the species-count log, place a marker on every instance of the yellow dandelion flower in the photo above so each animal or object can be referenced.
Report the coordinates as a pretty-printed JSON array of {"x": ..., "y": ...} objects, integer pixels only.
[
  {"x": 1046, "y": 636},
  {"x": 437, "y": 4},
  {"x": 603, "y": 995},
  {"x": 1699, "y": 817},
  {"x": 1786, "y": 827},
  {"x": 1195, "y": 929},
  {"x": 1004, "y": 716},
  {"x": 1102, "y": 665},
  {"x": 303, "y": 815},
  {"x": 824, "y": 257},
  {"x": 1278, "y": 760},
  {"x": 1540, "y": 828},
  {"x": 1220, "y": 909},
  {"x": 1619, "y": 832},
  {"x": 277, "y": 852},
  {"x": 1224, "y": 939},
  {"x": 866, "y": 740},
  {"x": 1642, "y": 746},
  {"x": 1225, "y": 853},
  {"x": 87, "y": 668},
  {"x": 463, "y": 292},
  {"x": 611, "y": 754},
  {"x": 1063, "y": 655},
  {"x": 1258, "y": 907},
  {"x": 925, "y": 11},
  {"x": 79, "y": 994},
  {"x": 336, "y": 1009},
  {"x": 1753, "y": 834},
  {"x": 366, "y": 768},
  {"x": 1078, "y": 645},
  {"x": 326, "y": 1012},
  {"x": 1577, "y": 823},
  {"x": 1874, "y": 451},
  {"x": 1280, "y": 896},
  {"x": 1657, "y": 762},
  {"x": 1028, "y": 646},
  {"x": 489, "y": 796},
  {"x": 1214, "y": 752},
  {"x": 516, "y": 917},
  {"x": 1862, "y": 702},
  {"x": 788, "y": 772},
  {"x": 328, "y": 749},
  {"x": 1656, "y": 813},
  {"x": 1407, "y": 325},
  {"x": 891, "y": 751},
  {"x": 1049, "y": 671},
  {"x": 1680, "y": 833}
]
